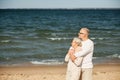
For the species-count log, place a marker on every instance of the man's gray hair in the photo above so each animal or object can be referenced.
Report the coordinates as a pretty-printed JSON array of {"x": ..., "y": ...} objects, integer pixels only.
[{"x": 86, "y": 29}]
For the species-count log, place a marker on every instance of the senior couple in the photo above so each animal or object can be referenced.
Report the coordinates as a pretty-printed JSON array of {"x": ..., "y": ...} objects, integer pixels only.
[{"x": 81, "y": 46}]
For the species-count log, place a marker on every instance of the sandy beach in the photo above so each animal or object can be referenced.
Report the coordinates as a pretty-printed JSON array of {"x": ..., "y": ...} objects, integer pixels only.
[{"x": 56, "y": 72}]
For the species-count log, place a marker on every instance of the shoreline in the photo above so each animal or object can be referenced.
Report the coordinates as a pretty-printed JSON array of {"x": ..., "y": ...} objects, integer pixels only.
[
  {"x": 56, "y": 72},
  {"x": 99, "y": 60}
]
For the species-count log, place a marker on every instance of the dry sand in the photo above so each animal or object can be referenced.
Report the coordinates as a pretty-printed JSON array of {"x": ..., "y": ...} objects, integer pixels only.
[{"x": 56, "y": 72}]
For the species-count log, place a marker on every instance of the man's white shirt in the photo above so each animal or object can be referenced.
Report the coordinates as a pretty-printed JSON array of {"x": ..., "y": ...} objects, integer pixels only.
[{"x": 87, "y": 53}]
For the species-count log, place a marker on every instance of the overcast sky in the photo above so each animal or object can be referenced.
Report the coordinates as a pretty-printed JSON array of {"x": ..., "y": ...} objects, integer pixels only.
[{"x": 59, "y": 3}]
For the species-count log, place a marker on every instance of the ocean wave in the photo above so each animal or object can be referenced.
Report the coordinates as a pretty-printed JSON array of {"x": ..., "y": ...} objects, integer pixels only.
[
  {"x": 100, "y": 38},
  {"x": 93, "y": 38},
  {"x": 47, "y": 62},
  {"x": 5, "y": 41},
  {"x": 58, "y": 39},
  {"x": 114, "y": 56}
]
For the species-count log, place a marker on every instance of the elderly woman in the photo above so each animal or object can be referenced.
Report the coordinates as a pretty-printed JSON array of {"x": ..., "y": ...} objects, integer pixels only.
[{"x": 73, "y": 70}]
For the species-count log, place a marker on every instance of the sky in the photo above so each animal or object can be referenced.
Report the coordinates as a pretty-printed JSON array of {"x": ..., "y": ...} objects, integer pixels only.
[{"x": 59, "y": 4}]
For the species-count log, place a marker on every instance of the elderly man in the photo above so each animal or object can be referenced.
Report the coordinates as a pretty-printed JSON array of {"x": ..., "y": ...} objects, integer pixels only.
[{"x": 87, "y": 53}]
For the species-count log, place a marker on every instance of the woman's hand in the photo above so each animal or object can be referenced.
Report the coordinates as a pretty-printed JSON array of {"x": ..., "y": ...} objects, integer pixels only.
[{"x": 72, "y": 57}]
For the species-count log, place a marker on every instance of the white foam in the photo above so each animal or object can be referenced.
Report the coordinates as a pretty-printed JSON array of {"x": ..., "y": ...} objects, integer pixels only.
[
  {"x": 100, "y": 38},
  {"x": 93, "y": 38},
  {"x": 58, "y": 38},
  {"x": 48, "y": 62},
  {"x": 5, "y": 41},
  {"x": 114, "y": 56},
  {"x": 36, "y": 62}
]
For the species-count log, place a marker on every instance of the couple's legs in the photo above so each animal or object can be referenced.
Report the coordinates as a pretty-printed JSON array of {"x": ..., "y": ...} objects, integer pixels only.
[
  {"x": 86, "y": 74},
  {"x": 73, "y": 75}
]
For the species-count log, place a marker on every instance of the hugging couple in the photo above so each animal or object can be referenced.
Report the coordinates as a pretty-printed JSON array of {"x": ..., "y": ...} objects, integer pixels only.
[{"x": 79, "y": 57}]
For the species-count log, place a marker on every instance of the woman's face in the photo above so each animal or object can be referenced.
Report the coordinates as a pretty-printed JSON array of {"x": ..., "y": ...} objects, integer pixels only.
[{"x": 73, "y": 43}]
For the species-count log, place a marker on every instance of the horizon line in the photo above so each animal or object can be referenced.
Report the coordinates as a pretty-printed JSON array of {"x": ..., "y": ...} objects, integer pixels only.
[{"x": 60, "y": 8}]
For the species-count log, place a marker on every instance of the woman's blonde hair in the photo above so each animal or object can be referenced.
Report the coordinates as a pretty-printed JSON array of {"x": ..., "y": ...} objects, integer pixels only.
[{"x": 78, "y": 41}]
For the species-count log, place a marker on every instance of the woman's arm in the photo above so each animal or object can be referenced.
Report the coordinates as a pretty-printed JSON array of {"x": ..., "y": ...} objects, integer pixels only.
[
  {"x": 72, "y": 55},
  {"x": 67, "y": 57}
]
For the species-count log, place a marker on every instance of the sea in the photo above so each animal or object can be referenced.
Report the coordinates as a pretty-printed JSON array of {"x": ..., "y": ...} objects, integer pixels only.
[{"x": 43, "y": 36}]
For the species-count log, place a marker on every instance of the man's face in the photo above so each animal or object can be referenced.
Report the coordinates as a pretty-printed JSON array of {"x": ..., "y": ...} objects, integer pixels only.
[{"x": 82, "y": 34}]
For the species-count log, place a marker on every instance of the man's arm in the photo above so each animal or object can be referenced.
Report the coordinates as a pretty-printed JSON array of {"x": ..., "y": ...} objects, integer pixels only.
[
  {"x": 86, "y": 50},
  {"x": 83, "y": 52}
]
